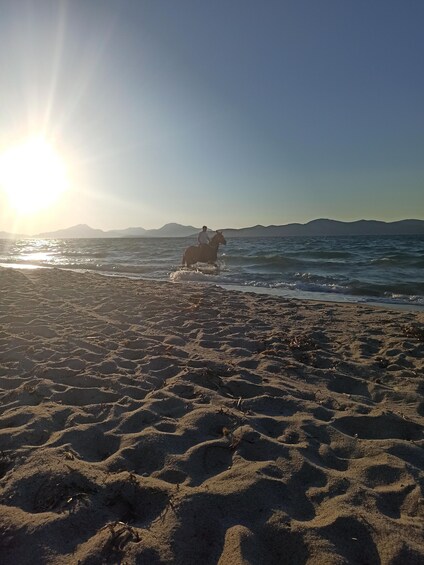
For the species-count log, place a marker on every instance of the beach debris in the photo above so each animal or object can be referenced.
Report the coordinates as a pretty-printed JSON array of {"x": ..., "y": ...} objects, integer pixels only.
[
  {"x": 238, "y": 405},
  {"x": 132, "y": 478},
  {"x": 216, "y": 382},
  {"x": 82, "y": 496},
  {"x": 59, "y": 502},
  {"x": 6, "y": 462},
  {"x": 416, "y": 331},
  {"x": 382, "y": 362},
  {"x": 29, "y": 387},
  {"x": 56, "y": 494},
  {"x": 69, "y": 454},
  {"x": 301, "y": 341},
  {"x": 236, "y": 440},
  {"x": 169, "y": 505},
  {"x": 235, "y": 437},
  {"x": 120, "y": 534}
]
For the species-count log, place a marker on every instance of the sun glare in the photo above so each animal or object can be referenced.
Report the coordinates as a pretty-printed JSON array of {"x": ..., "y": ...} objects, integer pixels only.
[{"x": 33, "y": 175}]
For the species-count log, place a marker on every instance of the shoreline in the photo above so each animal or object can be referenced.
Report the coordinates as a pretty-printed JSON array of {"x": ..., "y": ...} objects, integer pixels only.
[
  {"x": 146, "y": 421},
  {"x": 325, "y": 298},
  {"x": 337, "y": 298}
]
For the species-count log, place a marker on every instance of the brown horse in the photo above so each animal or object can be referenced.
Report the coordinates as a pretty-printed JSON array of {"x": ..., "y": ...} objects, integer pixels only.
[{"x": 204, "y": 253}]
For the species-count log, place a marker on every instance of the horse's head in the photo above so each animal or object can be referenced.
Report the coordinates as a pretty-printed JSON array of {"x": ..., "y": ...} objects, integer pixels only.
[{"x": 218, "y": 239}]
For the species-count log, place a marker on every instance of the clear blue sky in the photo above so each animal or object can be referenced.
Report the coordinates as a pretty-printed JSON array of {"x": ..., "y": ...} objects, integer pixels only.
[{"x": 224, "y": 112}]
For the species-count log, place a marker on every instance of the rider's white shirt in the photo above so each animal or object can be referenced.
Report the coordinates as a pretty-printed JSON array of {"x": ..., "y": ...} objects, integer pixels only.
[{"x": 203, "y": 238}]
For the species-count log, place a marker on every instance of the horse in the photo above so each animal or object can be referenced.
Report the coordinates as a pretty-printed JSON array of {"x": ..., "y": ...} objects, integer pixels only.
[{"x": 204, "y": 253}]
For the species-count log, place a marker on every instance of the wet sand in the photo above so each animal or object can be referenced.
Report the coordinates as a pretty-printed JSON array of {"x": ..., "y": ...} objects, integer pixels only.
[{"x": 159, "y": 423}]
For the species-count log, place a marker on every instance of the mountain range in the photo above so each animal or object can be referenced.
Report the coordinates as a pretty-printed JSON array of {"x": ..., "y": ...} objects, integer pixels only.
[{"x": 320, "y": 227}]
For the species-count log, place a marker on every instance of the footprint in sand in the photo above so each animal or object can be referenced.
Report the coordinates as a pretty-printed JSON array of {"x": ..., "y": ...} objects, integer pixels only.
[{"x": 379, "y": 427}]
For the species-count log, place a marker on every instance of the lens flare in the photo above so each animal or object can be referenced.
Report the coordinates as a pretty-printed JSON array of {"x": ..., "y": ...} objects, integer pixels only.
[{"x": 33, "y": 175}]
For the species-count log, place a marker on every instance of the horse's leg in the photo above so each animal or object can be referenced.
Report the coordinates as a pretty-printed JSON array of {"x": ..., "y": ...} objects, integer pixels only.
[
  {"x": 213, "y": 254},
  {"x": 191, "y": 256}
]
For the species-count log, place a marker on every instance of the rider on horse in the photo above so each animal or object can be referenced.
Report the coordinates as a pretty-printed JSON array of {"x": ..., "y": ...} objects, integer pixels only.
[{"x": 204, "y": 252}]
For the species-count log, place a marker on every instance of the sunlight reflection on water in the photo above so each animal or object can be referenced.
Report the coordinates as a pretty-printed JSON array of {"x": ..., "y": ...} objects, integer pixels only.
[{"x": 40, "y": 256}]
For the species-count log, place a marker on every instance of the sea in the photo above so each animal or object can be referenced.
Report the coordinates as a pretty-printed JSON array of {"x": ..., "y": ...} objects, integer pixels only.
[{"x": 382, "y": 270}]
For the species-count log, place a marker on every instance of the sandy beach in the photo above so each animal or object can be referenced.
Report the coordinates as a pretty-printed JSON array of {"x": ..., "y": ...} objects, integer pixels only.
[{"x": 159, "y": 423}]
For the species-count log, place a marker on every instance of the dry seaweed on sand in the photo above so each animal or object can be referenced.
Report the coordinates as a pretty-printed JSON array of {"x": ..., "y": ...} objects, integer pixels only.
[{"x": 415, "y": 331}]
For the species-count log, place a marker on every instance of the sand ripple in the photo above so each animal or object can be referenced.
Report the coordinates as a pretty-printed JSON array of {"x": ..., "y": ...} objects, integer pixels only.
[{"x": 157, "y": 423}]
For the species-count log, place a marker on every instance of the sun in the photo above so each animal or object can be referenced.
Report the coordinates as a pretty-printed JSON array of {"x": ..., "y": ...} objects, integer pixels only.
[{"x": 33, "y": 175}]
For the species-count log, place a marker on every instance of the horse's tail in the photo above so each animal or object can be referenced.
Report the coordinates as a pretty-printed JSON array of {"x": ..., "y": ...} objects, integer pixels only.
[{"x": 184, "y": 262}]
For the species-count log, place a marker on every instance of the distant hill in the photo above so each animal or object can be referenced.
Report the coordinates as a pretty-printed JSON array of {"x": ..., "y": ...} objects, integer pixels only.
[
  {"x": 7, "y": 235},
  {"x": 83, "y": 231},
  {"x": 320, "y": 227},
  {"x": 129, "y": 232},
  {"x": 323, "y": 227},
  {"x": 79, "y": 231},
  {"x": 172, "y": 230}
]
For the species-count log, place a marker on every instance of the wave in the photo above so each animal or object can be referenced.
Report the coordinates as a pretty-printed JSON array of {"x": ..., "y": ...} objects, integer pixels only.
[
  {"x": 316, "y": 278},
  {"x": 196, "y": 276},
  {"x": 326, "y": 254},
  {"x": 286, "y": 262},
  {"x": 400, "y": 260},
  {"x": 400, "y": 293},
  {"x": 263, "y": 260},
  {"x": 88, "y": 254},
  {"x": 413, "y": 288},
  {"x": 306, "y": 287}
]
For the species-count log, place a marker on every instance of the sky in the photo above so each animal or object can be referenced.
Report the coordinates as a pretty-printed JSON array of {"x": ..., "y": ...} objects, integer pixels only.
[{"x": 228, "y": 113}]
